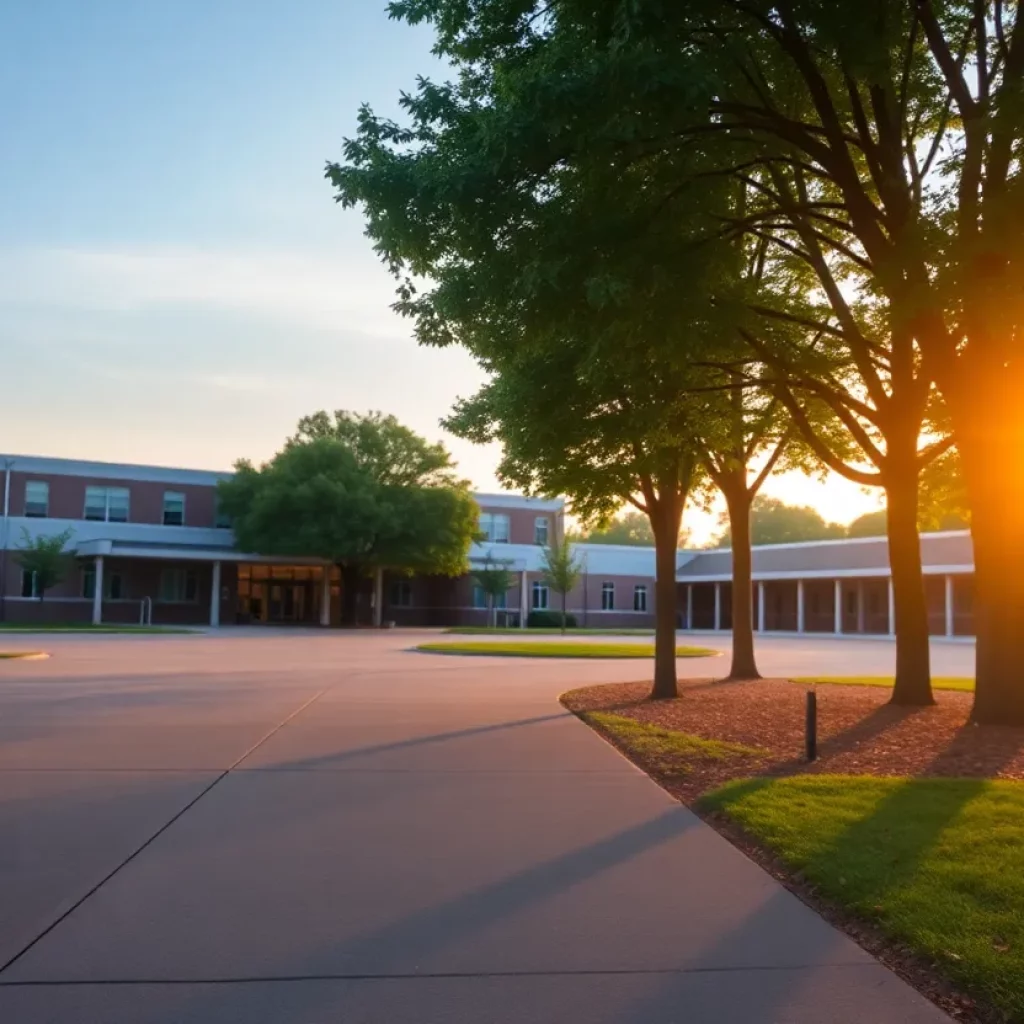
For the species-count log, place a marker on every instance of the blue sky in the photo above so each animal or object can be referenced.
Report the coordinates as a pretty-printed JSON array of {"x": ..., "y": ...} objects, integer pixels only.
[{"x": 176, "y": 284}]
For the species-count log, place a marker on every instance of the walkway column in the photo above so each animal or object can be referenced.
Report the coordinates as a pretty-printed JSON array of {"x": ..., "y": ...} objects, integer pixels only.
[
  {"x": 97, "y": 594},
  {"x": 689, "y": 606},
  {"x": 325, "y": 597},
  {"x": 892, "y": 610},
  {"x": 718, "y": 606},
  {"x": 215, "y": 596},
  {"x": 950, "y": 608},
  {"x": 800, "y": 615},
  {"x": 524, "y": 600},
  {"x": 837, "y": 606},
  {"x": 378, "y": 598},
  {"x": 760, "y": 606},
  {"x": 860, "y": 606}
]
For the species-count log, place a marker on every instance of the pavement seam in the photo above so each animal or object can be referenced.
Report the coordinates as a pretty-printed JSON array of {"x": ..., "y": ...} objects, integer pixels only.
[
  {"x": 159, "y": 832},
  {"x": 441, "y": 975}
]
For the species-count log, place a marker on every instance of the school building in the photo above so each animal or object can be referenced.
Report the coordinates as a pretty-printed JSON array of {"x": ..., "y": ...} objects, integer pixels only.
[{"x": 151, "y": 547}]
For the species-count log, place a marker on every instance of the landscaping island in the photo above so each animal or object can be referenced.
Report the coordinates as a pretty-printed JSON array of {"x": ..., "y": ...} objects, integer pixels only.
[
  {"x": 908, "y": 830},
  {"x": 570, "y": 649}
]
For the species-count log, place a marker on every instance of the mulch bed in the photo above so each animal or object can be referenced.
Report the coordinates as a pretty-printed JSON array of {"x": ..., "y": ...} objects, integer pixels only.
[{"x": 859, "y": 732}]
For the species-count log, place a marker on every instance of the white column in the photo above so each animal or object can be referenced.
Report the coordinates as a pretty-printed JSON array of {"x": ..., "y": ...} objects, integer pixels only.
[
  {"x": 860, "y": 606},
  {"x": 950, "y": 607},
  {"x": 718, "y": 606},
  {"x": 689, "y": 606},
  {"x": 837, "y": 606},
  {"x": 800, "y": 614},
  {"x": 524, "y": 597},
  {"x": 97, "y": 595},
  {"x": 760, "y": 606},
  {"x": 378, "y": 597},
  {"x": 325, "y": 597},
  {"x": 892, "y": 610},
  {"x": 215, "y": 596}
]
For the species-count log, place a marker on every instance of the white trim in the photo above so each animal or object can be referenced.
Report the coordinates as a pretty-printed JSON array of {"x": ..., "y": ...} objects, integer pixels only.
[
  {"x": 115, "y": 471},
  {"x": 875, "y": 572},
  {"x": 489, "y": 501},
  {"x": 793, "y": 545},
  {"x": 949, "y": 606}
]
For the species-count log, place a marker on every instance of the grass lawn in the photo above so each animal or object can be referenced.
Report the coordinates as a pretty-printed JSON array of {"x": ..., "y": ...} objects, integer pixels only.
[
  {"x": 525, "y": 649},
  {"x": 665, "y": 750},
  {"x": 938, "y": 682},
  {"x": 937, "y": 864},
  {"x": 515, "y": 631},
  {"x": 18, "y": 627}
]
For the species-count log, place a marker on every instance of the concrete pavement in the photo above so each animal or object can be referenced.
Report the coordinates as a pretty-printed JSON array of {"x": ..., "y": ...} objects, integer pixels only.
[{"x": 265, "y": 827}]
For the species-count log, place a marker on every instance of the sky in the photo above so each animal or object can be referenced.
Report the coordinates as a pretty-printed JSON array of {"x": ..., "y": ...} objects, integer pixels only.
[{"x": 177, "y": 285}]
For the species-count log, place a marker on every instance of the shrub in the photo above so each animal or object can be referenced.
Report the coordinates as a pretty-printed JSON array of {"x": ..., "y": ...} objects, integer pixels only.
[{"x": 549, "y": 620}]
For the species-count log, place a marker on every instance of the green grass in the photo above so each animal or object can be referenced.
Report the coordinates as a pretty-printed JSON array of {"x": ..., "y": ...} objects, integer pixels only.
[
  {"x": 19, "y": 627},
  {"x": 665, "y": 749},
  {"x": 937, "y": 864},
  {"x": 938, "y": 682},
  {"x": 555, "y": 650},
  {"x": 515, "y": 631}
]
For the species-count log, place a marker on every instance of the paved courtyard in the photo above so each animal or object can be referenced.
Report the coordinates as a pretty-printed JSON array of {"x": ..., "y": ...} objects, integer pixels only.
[{"x": 271, "y": 827}]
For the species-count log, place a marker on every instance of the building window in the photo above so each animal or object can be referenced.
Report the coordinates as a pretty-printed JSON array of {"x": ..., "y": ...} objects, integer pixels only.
[
  {"x": 640, "y": 597},
  {"x": 541, "y": 528},
  {"x": 174, "y": 508},
  {"x": 401, "y": 594},
  {"x": 28, "y": 584},
  {"x": 480, "y": 599},
  {"x": 113, "y": 585},
  {"x": 607, "y": 597},
  {"x": 221, "y": 520},
  {"x": 107, "y": 504},
  {"x": 37, "y": 499},
  {"x": 494, "y": 527},
  {"x": 539, "y": 595},
  {"x": 178, "y": 586}
]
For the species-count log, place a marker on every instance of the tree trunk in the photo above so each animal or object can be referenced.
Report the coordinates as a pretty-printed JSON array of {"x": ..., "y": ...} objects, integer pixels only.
[
  {"x": 564, "y": 597},
  {"x": 913, "y": 685},
  {"x": 665, "y": 524},
  {"x": 988, "y": 420},
  {"x": 744, "y": 663},
  {"x": 492, "y": 620},
  {"x": 350, "y": 580}
]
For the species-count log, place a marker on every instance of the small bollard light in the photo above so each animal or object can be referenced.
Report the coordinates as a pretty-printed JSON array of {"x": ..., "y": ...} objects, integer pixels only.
[{"x": 811, "y": 726}]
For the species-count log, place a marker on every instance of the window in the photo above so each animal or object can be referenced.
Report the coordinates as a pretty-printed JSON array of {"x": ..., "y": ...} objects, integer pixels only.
[
  {"x": 640, "y": 597},
  {"x": 28, "y": 584},
  {"x": 221, "y": 520},
  {"x": 37, "y": 499},
  {"x": 480, "y": 599},
  {"x": 107, "y": 504},
  {"x": 541, "y": 526},
  {"x": 113, "y": 585},
  {"x": 494, "y": 527},
  {"x": 178, "y": 585},
  {"x": 174, "y": 508},
  {"x": 540, "y": 595},
  {"x": 401, "y": 594},
  {"x": 607, "y": 597}
]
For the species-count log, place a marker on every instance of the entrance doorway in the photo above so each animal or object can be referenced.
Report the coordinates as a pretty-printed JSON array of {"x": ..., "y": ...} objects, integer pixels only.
[{"x": 279, "y": 594}]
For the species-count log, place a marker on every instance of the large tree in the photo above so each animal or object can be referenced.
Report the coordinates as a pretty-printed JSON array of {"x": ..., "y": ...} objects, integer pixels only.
[
  {"x": 772, "y": 521},
  {"x": 360, "y": 492}
]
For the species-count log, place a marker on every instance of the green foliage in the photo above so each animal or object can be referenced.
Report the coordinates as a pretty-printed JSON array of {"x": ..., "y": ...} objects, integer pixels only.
[
  {"x": 495, "y": 579},
  {"x": 942, "y": 499},
  {"x": 629, "y": 528},
  {"x": 561, "y": 570},
  {"x": 544, "y": 630},
  {"x": 358, "y": 491},
  {"x": 936, "y": 864},
  {"x": 871, "y": 524},
  {"x": 46, "y": 559},
  {"x": 774, "y": 522},
  {"x": 541, "y": 619}
]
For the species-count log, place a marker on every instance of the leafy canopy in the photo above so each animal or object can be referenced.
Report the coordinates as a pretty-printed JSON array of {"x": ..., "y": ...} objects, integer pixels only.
[
  {"x": 774, "y": 522},
  {"x": 46, "y": 559},
  {"x": 360, "y": 491}
]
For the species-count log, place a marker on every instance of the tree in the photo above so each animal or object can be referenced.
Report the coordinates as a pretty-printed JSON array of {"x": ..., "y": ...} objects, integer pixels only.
[
  {"x": 561, "y": 571},
  {"x": 364, "y": 493},
  {"x": 871, "y": 524},
  {"x": 495, "y": 579},
  {"x": 632, "y": 529},
  {"x": 45, "y": 559},
  {"x": 772, "y": 521}
]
